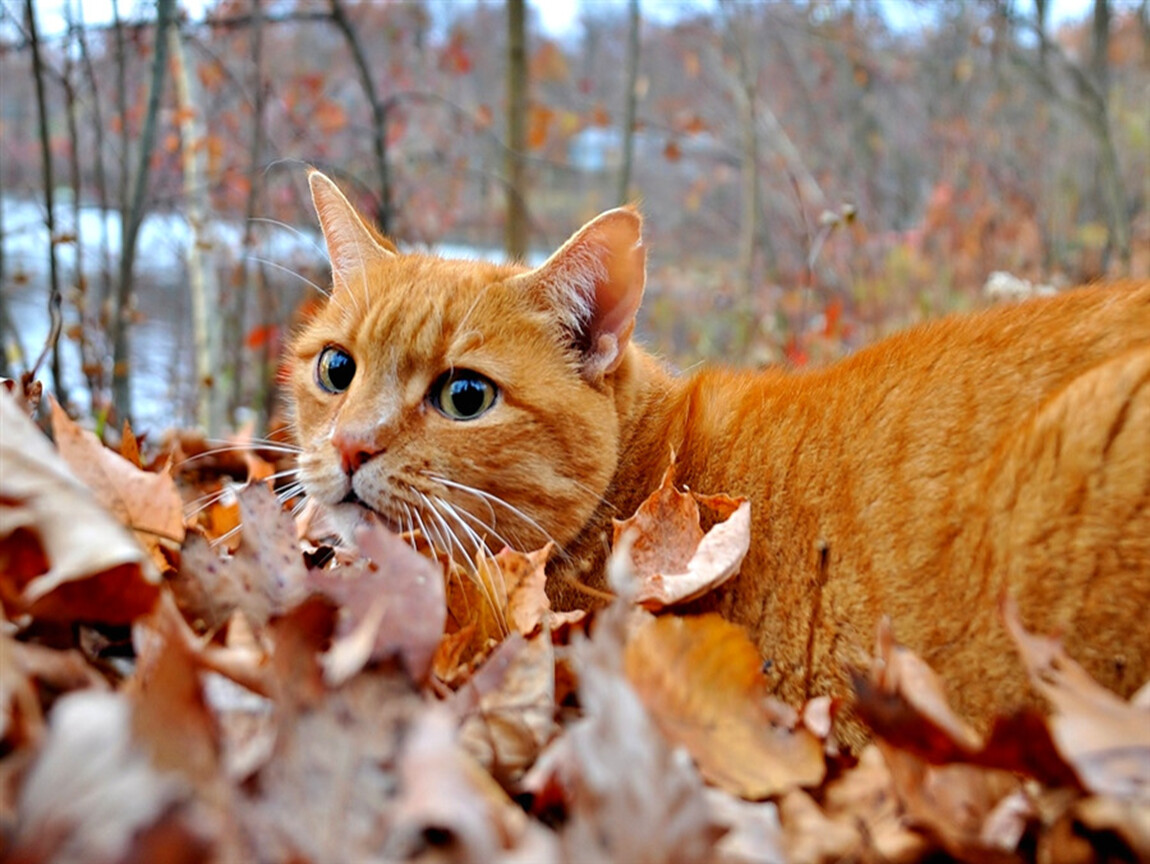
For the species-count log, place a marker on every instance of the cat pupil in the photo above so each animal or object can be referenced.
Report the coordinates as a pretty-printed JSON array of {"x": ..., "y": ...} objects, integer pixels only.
[
  {"x": 463, "y": 395},
  {"x": 468, "y": 396},
  {"x": 336, "y": 369}
]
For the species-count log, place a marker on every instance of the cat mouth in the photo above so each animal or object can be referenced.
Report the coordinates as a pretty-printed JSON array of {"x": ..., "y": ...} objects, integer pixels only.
[{"x": 389, "y": 522}]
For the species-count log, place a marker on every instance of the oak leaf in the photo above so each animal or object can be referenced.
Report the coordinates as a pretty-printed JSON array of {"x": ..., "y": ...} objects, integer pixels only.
[
  {"x": 701, "y": 678},
  {"x": 146, "y": 502},
  {"x": 63, "y": 557},
  {"x": 264, "y": 577},
  {"x": 674, "y": 560}
]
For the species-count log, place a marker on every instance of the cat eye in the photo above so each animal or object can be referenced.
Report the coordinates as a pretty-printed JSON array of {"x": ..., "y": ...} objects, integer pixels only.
[
  {"x": 462, "y": 394},
  {"x": 335, "y": 369}
]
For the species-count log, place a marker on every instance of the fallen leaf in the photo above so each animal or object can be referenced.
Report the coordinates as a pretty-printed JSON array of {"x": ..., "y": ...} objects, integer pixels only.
[
  {"x": 328, "y": 791},
  {"x": 1104, "y": 738},
  {"x": 445, "y": 795},
  {"x": 26, "y": 669},
  {"x": 264, "y": 577},
  {"x": 170, "y": 717},
  {"x": 524, "y": 578},
  {"x": 904, "y": 701},
  {"x": 392, "y": 604},
  {"x": 92, "y": 792},
  {"x": 701, "y": 678},
  {"x": 62, "y": 556},
  {"x": 508, "y": 706},
  {"x": 867, "y": 799},
  {"x": 652, "y": 810},
  {"x": 672, "y": 558},
  {"x": 147, "y": 503},
  {"x": 754, "y": 832}
]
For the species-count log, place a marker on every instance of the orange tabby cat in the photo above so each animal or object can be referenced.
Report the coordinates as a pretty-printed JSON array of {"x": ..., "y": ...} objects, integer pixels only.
[{"x": 1006, "y": 452}]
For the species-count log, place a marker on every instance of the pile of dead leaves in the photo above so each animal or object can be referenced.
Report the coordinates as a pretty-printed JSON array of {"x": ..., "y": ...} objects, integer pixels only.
[{"x": 168, "y": 697}]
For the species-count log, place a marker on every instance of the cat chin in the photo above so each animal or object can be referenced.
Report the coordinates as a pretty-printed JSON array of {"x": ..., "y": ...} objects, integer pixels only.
[{"x": 347, "y": 517}]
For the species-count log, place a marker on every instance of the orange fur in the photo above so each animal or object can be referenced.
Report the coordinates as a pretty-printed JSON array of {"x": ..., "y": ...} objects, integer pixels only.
[{"x": 923, "y": 478}]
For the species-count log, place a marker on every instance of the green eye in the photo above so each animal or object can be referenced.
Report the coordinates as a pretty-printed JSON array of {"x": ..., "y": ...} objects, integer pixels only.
[
  {"x": 463, "y": 394},
  {"x": 334, "y": 369}
]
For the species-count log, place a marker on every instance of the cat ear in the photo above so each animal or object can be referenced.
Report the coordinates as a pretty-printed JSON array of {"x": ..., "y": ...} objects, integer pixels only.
[
  {"x": 595, "y": 284},
  {"x": 351, "y": 242}
]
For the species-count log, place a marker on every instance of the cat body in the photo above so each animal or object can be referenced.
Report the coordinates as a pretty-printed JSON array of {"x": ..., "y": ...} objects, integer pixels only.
[{"x": 1005, "y": 453}]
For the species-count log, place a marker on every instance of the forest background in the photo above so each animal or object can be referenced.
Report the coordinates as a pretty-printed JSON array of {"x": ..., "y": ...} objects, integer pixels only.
[{"x": 813, "y": 174}]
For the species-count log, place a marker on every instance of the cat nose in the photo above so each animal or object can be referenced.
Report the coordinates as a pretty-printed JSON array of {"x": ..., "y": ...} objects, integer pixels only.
[{"x": 354, "y": 449}]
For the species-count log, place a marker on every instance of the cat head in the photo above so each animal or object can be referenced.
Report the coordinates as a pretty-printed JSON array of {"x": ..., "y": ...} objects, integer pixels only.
[{"x": 472, "y": 401}]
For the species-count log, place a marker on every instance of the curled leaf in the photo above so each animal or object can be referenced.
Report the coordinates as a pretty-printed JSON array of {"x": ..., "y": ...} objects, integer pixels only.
[
  {"x": 673, "y": 560},
  {"x": 63, "y": 557}
]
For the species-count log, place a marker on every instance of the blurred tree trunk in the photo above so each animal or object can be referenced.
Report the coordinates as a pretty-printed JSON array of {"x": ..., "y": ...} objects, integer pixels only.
[
  {"x": 51, "y": 344},
  {"x": 743, "y": 89},
  {"x": 515, "y": 228},
  {"x": 631, "y": 99},
  {"x": 98, "y": 303},
  {"x": 12, "y": 358},
  {"x": 386, "y": 214},
  {"x": 251, "y": 275},
  {"x": 1110, "y": 175},
  {"x": 203, "y": 281},
  {"x": 130, "y": 228},
  {"x": 91, "y": 349}
]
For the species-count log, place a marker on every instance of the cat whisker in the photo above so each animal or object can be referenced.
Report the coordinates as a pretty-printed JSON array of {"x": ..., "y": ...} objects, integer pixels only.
[
  {"x": 198, "y": 505},
  {"x": 276, "y": 265},
  {"x": 496, "y": 583},
  {"x": 495, "y": 499},
  {"x": 225, "y": 537},
  {"x": 302, "y": 235},
  {"x": 449, "y": 512}
]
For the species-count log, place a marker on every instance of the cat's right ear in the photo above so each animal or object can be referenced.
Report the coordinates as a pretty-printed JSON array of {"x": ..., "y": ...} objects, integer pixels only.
[
  {"x": 594, "y": 285},
  {"x": 351, "y": 243}
]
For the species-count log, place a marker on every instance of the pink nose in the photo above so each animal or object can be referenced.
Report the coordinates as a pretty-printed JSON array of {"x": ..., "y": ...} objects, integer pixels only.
[{"x": 354, "y": 449}]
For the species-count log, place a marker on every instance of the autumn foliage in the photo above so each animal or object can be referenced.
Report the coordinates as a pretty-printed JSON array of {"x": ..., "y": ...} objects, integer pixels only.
[{"x": 174, "y": 691}]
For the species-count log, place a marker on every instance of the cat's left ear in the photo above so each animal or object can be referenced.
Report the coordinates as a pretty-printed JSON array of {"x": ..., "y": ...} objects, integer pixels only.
[
  {"x": 594, "y": 283},
  {"x": 351, "y": 243}
]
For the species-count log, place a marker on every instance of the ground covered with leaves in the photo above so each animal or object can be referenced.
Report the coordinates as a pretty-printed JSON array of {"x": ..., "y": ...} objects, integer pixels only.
[{"x": 174, "y": 689}]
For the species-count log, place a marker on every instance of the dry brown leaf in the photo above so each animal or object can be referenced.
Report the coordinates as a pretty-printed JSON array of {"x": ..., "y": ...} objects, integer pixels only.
[
  {"x": 524, "y": 578},
  {"x": 953, "y": 803},
  {"x": 62, "y": 556},
  {"x": 1105, "y": 739},
  {"x": 25, "y": 667},
  {"x": 673, "y": 560},
  {"x": 701, "y": 678},
  {"x": 904, "y": 701},
  {"x": 630, "y": 794},
  {"x": 392, "y": 604},
  {"x": 867, "y": 798},
  {"x": 508, "y": 706},
  {"x": 328, "y": 791},
  {"x": 92, "y": 793},
  {"x": 170, "y": 717},
  {"x": 147, "y": 503},
  {"x": 477, "y": 602},
  {"x": 264, "y": 577},
  {"x": 446, "y": 795},
  {"x": 754, "y": 832},
  {"x": 811, "y": 837}
]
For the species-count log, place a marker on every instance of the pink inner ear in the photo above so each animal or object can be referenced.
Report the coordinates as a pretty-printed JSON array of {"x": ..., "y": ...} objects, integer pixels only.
[
  {"x": 617, "y": 297},
  {"x": 350, "y": 243}
]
